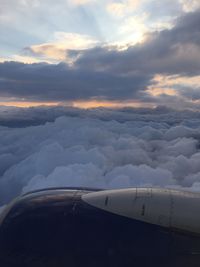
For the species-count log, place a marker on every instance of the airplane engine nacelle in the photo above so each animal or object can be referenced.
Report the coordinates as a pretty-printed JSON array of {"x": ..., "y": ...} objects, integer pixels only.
[{"x": 168, "y": 208}]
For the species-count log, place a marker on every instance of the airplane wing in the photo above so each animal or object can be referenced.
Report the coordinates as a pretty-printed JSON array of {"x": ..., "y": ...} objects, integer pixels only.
[{"x": 93, "y": 227}]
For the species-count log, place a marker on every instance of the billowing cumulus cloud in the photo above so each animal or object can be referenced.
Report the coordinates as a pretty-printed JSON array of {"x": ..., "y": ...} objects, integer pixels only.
[{"x": 101, "y": 148}]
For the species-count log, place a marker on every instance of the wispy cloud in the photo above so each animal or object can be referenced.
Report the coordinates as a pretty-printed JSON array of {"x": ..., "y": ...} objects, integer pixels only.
[
  {"x": 190, "y": 5},
  {"x": 81, "y": 2},
  {"x": 58, "y": 48},
  {"x": 122, "y": 8}
]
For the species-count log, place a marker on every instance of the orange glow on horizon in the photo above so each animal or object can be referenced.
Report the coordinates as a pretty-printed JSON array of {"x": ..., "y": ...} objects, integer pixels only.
[
  {"x": 79, "y": 104},
  {"x": 108, "y": 104},
  {"x": 156, "y": 91},
  {"x": 28, "y": 104}
]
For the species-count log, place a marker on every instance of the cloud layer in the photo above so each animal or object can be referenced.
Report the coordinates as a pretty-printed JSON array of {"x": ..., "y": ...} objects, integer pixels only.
[
  {"x": 102, "y": 148},
  {"x": 105, "y": 72}
]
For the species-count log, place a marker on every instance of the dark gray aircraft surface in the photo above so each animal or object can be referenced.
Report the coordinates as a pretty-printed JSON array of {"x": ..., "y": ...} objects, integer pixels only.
[{"x": 74, "y": 227}]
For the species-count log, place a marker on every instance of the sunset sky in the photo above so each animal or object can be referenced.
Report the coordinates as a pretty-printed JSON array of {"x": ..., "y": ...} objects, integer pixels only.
[{"x": 89, "y": 53}]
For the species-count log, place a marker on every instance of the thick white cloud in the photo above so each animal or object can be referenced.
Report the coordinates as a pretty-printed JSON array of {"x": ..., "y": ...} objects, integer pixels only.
[{"x": 100, "y": 148}]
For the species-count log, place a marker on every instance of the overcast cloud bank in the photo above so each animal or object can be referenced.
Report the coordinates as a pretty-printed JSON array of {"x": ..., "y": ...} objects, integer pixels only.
[
  {"x": 105, "y": 72},
  {"x": 101, "y": 148}
]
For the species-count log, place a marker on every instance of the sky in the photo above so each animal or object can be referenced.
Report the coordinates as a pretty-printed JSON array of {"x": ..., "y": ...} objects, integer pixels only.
[{"x": 110, "y": 53}]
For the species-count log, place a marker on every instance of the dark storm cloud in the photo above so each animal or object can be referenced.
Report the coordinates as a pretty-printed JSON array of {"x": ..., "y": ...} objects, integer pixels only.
[
  {"x": 190, "y": 93},
  {"x": 59, "y": 82},
  {"x": 174, "y": 51},
  {"x": 106, "y": 73}
]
